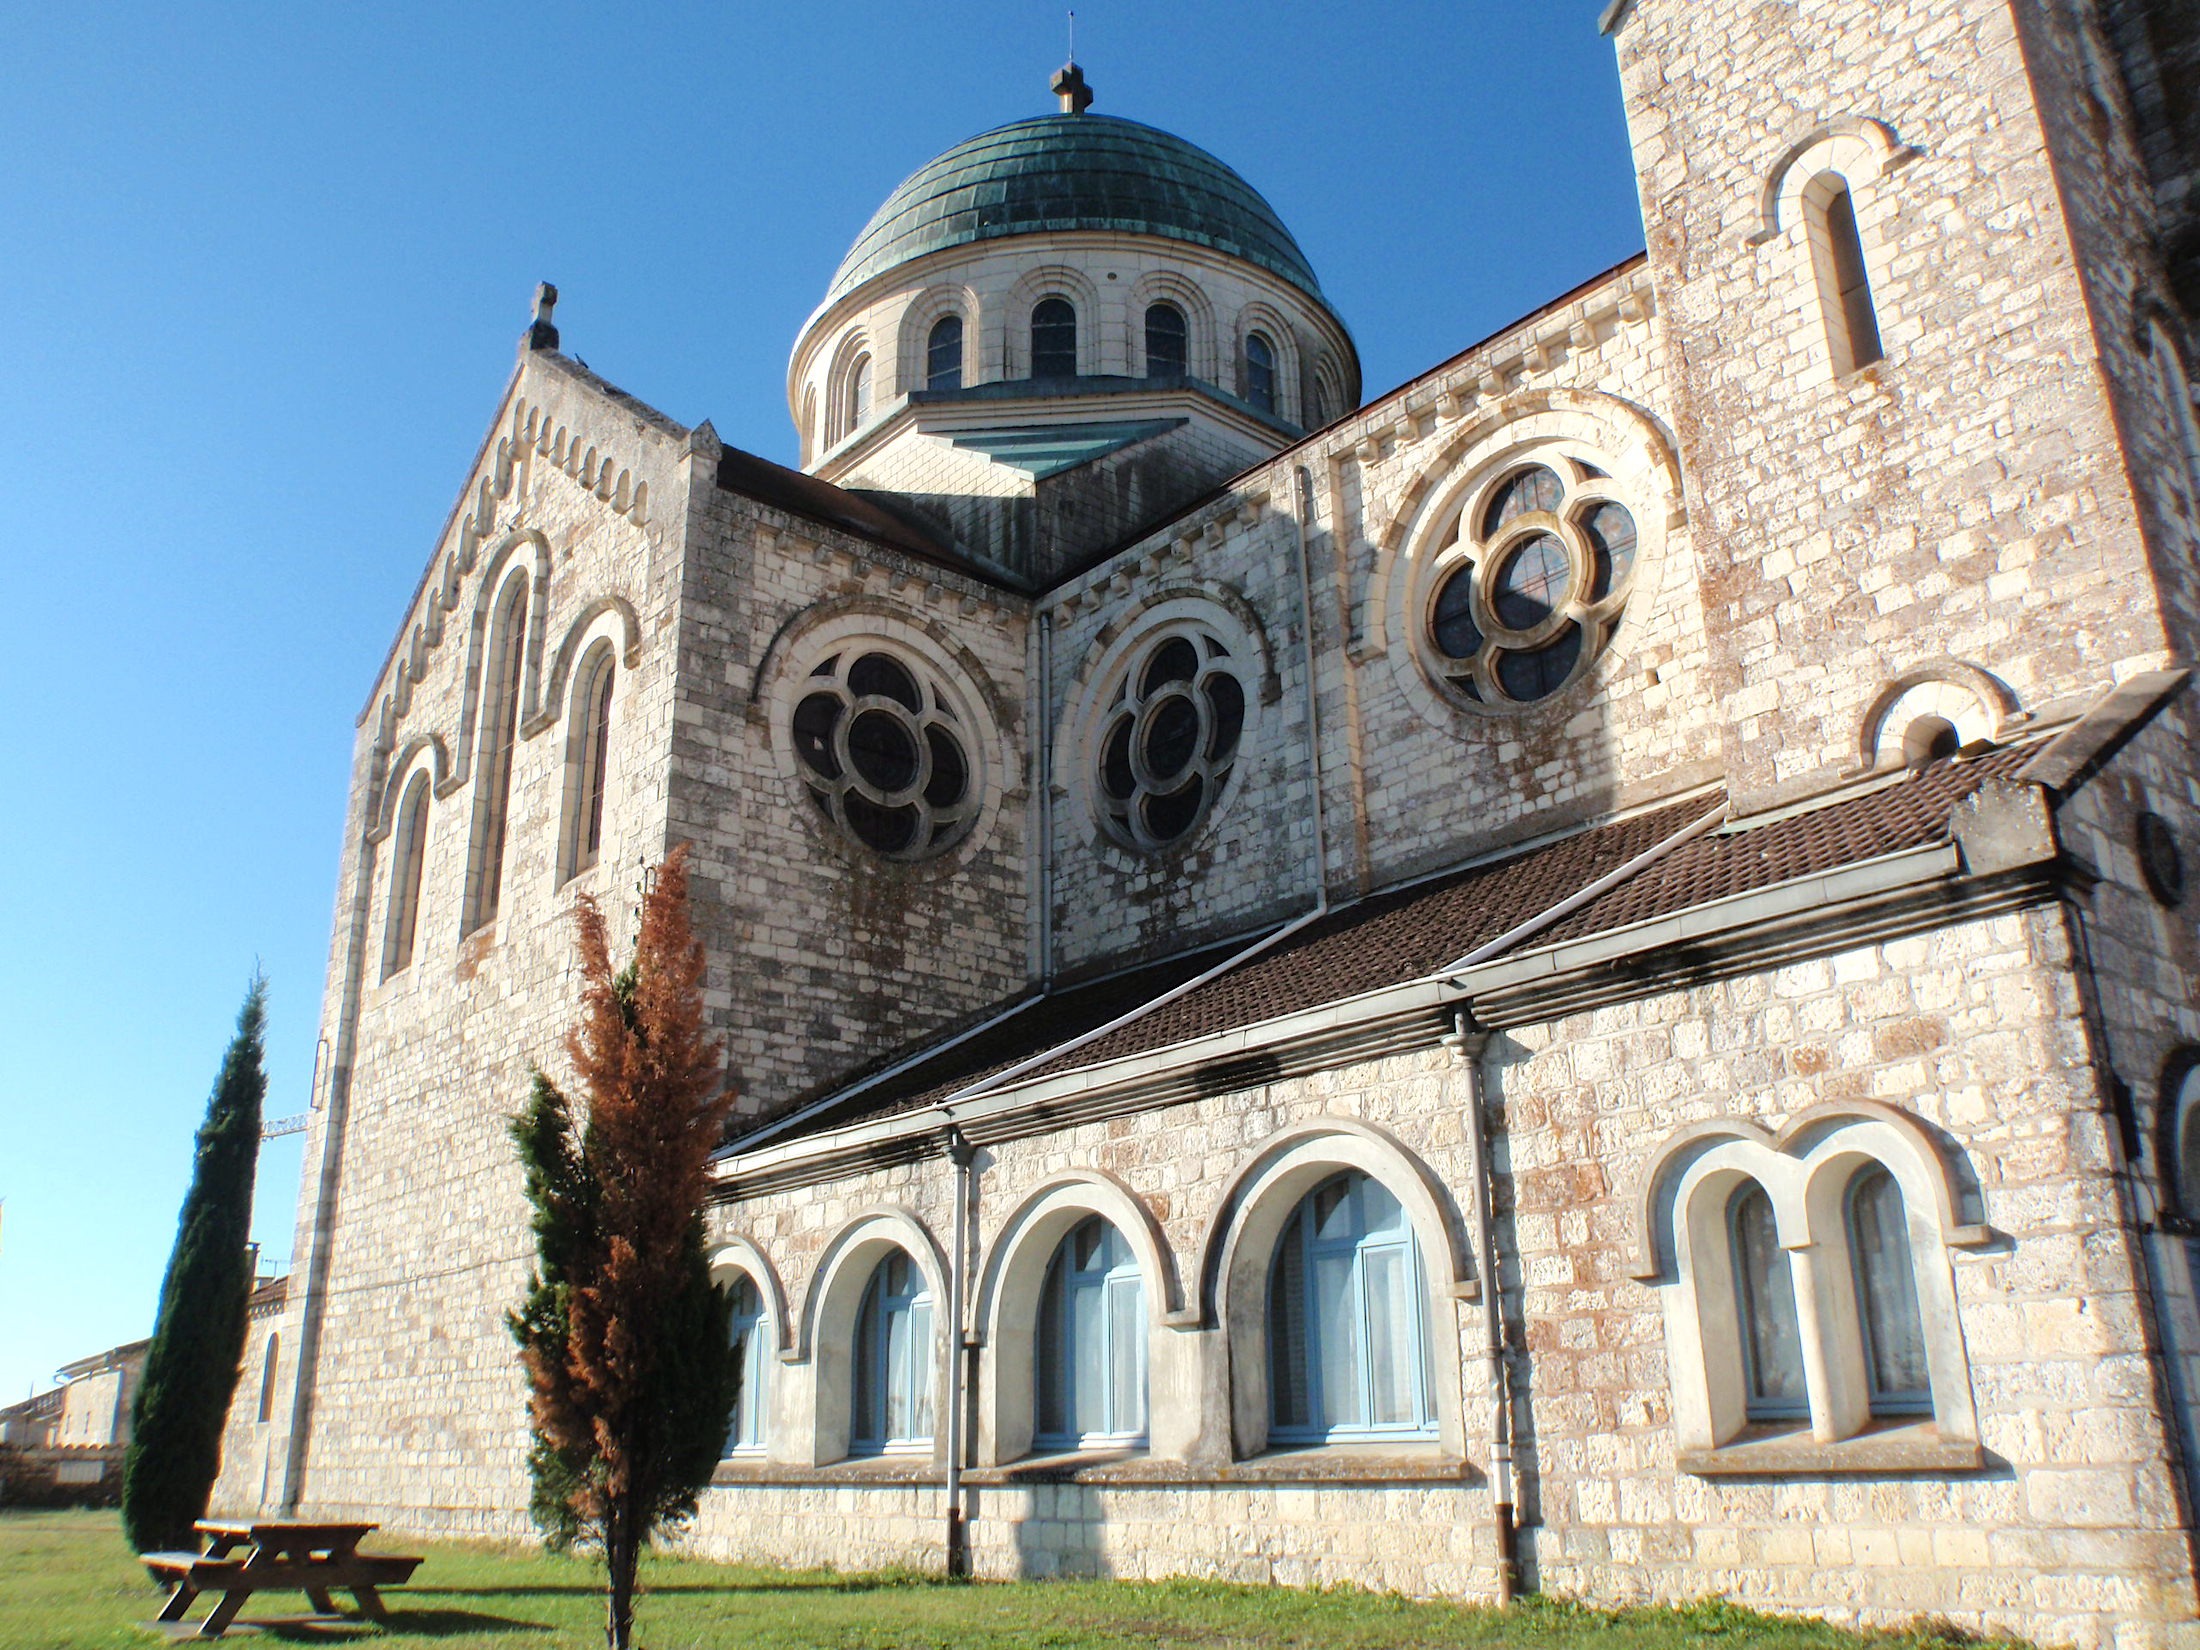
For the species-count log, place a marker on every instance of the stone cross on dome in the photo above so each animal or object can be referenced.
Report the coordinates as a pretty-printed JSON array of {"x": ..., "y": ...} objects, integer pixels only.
[{"x": 1069, "y": 85}]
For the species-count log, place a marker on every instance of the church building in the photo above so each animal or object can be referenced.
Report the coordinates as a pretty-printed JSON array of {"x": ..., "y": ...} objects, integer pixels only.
[{"x": 1579, "y": 977}]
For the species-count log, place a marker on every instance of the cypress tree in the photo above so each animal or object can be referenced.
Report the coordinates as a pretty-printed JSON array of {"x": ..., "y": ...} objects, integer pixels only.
[
  {"x": 198, "y": 1338},
  {"x": 623, "y": 1334}
]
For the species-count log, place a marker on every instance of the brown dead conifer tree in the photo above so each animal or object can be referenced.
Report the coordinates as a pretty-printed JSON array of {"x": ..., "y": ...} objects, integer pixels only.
[{"x": 623, "y": 1334}]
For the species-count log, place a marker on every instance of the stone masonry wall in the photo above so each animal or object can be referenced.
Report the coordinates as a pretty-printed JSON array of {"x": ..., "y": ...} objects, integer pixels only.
[
  {"x": 2070, "y": 1533},
  {"x": 1950, "y": 501},
  {"x": 415, "y": 1404}
]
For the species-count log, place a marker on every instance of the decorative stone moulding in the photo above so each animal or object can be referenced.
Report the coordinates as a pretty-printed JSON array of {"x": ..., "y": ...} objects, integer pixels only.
[
  {"x": 884, "y": 729},
  {"x": 1157, "y": 724},
  {"x": 1508, "y": 563},
  {"x": 1934, "y": 709}
]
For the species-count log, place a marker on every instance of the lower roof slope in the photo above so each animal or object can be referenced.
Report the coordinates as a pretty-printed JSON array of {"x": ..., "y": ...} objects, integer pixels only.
[{"x": 1420, "y": 929}]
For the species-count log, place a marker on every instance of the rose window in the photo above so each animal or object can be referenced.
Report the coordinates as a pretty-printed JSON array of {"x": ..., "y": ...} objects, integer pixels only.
[
  {"x": 883, "y": 755},
  {"x": 1169, "y": 737},
  {"x": 1529, "y": 587}
]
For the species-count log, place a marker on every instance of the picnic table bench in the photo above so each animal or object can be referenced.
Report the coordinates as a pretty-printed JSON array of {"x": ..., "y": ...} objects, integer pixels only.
[{"x": 316, "y": 1559}]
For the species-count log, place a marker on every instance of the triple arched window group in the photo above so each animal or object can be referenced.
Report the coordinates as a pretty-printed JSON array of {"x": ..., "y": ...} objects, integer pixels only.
[
  {"x": 497, "y": 731},
  {"x": 1350, "y": 1348}
]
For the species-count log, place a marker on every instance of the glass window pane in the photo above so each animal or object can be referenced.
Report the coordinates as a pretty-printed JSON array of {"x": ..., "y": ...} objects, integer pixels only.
[
  {"x": 919, "y": 1377},
  {"x": 1337, "y": 1339},
  {"x": 1054, "y": 339},
  {"x": 1166, "y": 338},
  {"x": 944, "y": 354},
  {"x": 1260, "y": 372},
  {"x": 1771, "y": 1344},
  {"x": 900, "y": 1394},
  {"x": 1391, "y": 1355},
  {"x": 1054, "y": 1354},
  {"x": 1088, "y": 1366},
  {"x": 1126, "y": 1355},
  {"x": 870, "y": 1408},
  {"x": 1886, "y": 1287},
  {"x": 1287, "y": 1349}
]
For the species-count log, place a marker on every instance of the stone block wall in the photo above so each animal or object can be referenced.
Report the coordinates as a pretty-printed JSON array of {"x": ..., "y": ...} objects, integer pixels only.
[
  {"x": 413, "y": 1237},
  {"x": 1950, "y": 501},
  {"x": 2066, "y": 1528}
]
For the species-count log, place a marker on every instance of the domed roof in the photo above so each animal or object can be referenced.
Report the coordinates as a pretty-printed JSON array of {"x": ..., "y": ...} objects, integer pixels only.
[{"x": 1069, "y": 172}]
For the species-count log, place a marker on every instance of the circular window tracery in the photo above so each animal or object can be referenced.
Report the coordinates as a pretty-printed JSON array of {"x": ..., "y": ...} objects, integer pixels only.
[
  {"x": 883, "y": 754},
  {"x": 1169, "y": 737},
  {"x": 1529, "y": 582}
]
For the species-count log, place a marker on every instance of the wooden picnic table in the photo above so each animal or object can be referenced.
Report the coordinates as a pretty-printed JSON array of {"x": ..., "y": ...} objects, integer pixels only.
[{"x": 286, "y": 1554}]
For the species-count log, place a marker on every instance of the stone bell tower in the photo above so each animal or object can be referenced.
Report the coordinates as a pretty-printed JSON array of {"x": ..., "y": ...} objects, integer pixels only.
[{"x": 1902, "y": 252}]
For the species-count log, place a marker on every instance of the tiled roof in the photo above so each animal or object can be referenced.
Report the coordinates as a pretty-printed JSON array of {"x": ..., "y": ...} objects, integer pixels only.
[
  {"x": 1417, "y": 930},
  {"x": 1067, "y": 172},
  {"x": 805, "y": 495}
]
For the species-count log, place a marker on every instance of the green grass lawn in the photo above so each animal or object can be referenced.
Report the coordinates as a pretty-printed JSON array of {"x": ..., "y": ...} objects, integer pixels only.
[{"x": 67, "y": 1582}]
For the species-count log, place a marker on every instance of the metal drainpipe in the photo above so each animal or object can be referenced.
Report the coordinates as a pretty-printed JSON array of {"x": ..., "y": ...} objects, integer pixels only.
[
  {"x": 1468, "y": 1042},
  {"x": 960, "y": 1348},
  {"x": 1043, "y": 738},
  {"x": 1305, "y": 513}
]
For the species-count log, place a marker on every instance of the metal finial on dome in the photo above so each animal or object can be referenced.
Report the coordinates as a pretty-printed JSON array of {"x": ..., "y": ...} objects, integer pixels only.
[{"x": 1069, "y": 85}]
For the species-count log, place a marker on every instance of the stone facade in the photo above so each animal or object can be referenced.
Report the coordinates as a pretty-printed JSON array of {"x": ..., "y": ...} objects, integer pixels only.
[{"x": 1808, "y": 826}]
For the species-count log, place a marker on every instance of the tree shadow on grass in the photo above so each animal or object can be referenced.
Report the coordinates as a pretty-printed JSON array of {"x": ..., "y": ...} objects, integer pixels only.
[{"x": 648, "y": 1589}]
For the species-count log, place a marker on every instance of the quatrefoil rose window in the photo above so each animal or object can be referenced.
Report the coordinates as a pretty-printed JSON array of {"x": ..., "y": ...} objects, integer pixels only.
[
  {"x": 1169, "y": 738},
  {"x": 1529, "y": 583},
  {"x": 883, "y": 754}
]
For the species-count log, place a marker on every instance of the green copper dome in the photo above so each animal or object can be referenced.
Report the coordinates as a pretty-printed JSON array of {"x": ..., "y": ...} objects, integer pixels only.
[{"x": 1068, "y": 172}]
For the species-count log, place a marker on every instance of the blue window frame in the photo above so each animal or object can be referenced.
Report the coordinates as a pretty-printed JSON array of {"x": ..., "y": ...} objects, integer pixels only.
[
  {"x": 1886, "y": 1297},
  {"x": 894, "y": 1362},
  {"x": 1348, "y": 1346},
  {"x": 1260, "y": 371},
  {"x": 745, "y": 1430},
  {"x": 943, "y": 354},
  {"x": 1764, "y": 1290},
  {"x": 1091, "y": 1367}
]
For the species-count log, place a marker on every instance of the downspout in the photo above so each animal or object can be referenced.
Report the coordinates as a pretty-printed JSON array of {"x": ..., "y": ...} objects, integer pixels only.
[
  {"x": 1043, "y": 737},
  {"x": 961, "y": 1347},
  {"x": 1468, "y": 1043},
  {"x": 1320, "y": 908},
  {"x": 1313, "y": 704}
]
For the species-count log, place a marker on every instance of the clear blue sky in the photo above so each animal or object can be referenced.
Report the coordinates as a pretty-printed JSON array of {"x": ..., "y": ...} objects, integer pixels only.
[{"x": 262, "y": 272}]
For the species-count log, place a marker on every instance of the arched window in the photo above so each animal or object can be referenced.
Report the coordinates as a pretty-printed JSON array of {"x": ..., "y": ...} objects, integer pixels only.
[
  {"x": 893, "y": 1386},
  {"x": 859, "y": 394},
  {"x": 1260, "y": 371},
  {"x": 1317, "y": 405},
  {"x": 2184, "y": 1168},
  {"x": 408, "y": 853},
  {"x": 588, "y": 760},
  {"x": 1092, "y": 1343},
  {"x": 809, "y": 423},
  {"x": 493, "y": 771},
  {"x": 1764, "y": 1291},
  {"x": 943, "y": 354},
  {"x": 1168, "y": 342},
  {"x": 268, "y": 1366},
  {"x": 1054, "y": 339},
  {"x": 1886, "y": 1297},
  {"x": 751, "y": 1346},
  {"x": 1347, "y": 1346},
  {"x": 1844, "y": 283}
]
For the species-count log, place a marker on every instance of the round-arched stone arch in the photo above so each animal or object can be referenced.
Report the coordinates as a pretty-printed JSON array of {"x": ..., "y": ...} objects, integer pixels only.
[
  {"x": 1050, "y": 281},
  {"x": 525, "y": 546},
  {"x": 1241, "y": 1243},
  {"x": 737, "y": 1253},
  {"x": 1639, "y": 465},
  {"x": 1806, "y": 1171},
  {"x": 400, "y": 768},
  {"x": 1202, "y": 346},
  {"x": 927, "y": 309},
  {"x": 584, "y": 629},
  {"x": 1010, "y": 1284},
  {"x": 824, "y": 1331},
  {"x": 1973, "y": 704},
  {"x": 1857, "y": 147}
]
